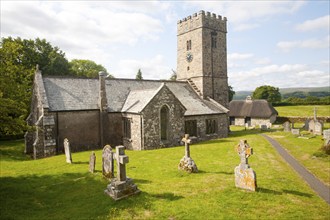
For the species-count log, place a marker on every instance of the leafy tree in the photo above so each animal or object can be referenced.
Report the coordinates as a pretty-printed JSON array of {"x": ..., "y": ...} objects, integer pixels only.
[
  {"x": 18, "y": 60},
  {"x": 270, "y": 93},
  {"x": 86, "y": 68},
  {"x": 139, "y": 75},
  {"x": 231, "y": 93},
  {"x": 173, "y": 76}
]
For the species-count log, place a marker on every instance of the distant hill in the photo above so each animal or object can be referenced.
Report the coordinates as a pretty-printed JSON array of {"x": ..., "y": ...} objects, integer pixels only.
[{"x": 287, "y": 92}]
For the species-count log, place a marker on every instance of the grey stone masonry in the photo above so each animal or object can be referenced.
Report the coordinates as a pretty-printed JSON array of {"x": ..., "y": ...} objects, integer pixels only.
[
  {"x": 295, "y": 131},
  {"x": 122, "y": 186},
  {"x": 326, "y": 136},
  {"x": 92, "y": 160},
  {"x": 187, "y": 163},
  {"x": 287, "y": 126},
  {"x": 107, "y": 162},
  {"x": 245, "y": 177},
  {"x": 67, "y": 151}
]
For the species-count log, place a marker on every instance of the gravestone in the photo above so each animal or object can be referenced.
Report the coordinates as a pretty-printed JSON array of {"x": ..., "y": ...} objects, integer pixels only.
[
  {"x": 318, "y": 128},
  {"x": 121, "y": 186},
  {"x": 326, "y": 136},
  {"x": 67, "y": 150},
  {"x": 295, "y": 131},
  {"x": 287, "y": 126},
  {"x": 263, "y": 127},
  {"x": 187, "y": 163},
  {"x": 245, "y": 177},
  {"x": 311, "y": 126},
  {"x": 269, "y": 125},
  {"x": 92, "y": 160},
  {"x": 107, "y": 162},
  {"x": 306, "y": 125}
]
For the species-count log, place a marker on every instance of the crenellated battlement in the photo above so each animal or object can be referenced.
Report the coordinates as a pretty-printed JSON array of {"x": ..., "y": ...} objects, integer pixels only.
[{"x": 202, "y": 19}]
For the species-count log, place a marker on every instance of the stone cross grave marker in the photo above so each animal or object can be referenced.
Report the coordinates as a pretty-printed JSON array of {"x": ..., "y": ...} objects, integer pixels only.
[
  {"x": 107, "y": 162},
  {"x": 67, "y": 150},
  {"x": 122, "y": 160},
  {"x": 122, "y": 186},
  {"x": 287, "y": 126},
  {"x": 92, "y": 160},
  {"x": 245, "y": 177},
  {"x": 187, "y": 163}
]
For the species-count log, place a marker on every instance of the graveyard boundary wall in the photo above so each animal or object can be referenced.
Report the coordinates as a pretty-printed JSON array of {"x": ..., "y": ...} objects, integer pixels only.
[{"x": 295, "y": 119}]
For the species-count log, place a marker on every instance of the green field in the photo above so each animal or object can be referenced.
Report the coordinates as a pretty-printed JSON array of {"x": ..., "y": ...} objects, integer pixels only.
[
  {"x": 52, "y": 189},
  {"x": 303, "y": 110}
]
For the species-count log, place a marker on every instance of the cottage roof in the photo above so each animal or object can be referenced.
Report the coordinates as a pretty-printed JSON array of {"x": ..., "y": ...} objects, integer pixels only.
[
  {"x": 251, "y": 108},
  {"x": 123, "y": 95}
]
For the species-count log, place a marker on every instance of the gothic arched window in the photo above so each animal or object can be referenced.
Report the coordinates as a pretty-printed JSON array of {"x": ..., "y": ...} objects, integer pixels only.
[{"x": 164, "y": 118}]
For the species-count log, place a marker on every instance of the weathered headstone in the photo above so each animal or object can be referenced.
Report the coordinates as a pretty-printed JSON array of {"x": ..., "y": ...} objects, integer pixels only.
[
  {"x": 92, "y": 160},
  {"x": 121, "y": 186},
  {"x": 263, "y": 127},
  {"x": 295, "y": 131},
  {"x": 306, "y": 125},
  {"x": 287, "y": 126},
  {"x": 107, "y": 162},
  {"x": 269, "y": 125},
  {"x": 187, "y": 163},
  {"x": 318, "y": 128},
  {"x": 311, "y": 126},
  {"x": 67, "y": 150},
  {"x": 245, "y": 177},
  {"x": 326, "y": 136}
]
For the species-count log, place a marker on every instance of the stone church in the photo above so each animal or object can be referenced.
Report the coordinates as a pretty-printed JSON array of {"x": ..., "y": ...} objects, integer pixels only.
[{"x": 139, "y": 114}]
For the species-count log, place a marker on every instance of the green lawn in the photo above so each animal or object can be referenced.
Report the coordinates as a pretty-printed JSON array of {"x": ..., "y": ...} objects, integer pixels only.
[
  {"x": 307, "y": 152},
  {"x": 303, "y": 110},
  {"x": 52, "y": 189}
]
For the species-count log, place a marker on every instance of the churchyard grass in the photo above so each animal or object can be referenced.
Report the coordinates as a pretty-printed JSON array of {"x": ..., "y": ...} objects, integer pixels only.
[
  {"x": 303, "y": 110},
  {"x": 307, "y": 152},
  {"x": 50, "y": 188}
]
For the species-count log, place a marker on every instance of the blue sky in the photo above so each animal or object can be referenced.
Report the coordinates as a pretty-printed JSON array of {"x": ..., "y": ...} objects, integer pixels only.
[{"x": 278, "y": 43}]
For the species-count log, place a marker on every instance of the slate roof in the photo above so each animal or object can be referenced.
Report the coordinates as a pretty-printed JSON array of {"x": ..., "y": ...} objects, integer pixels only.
[
  {"x": 251, "y": 108},
  {"x": 123, "y": 95}
]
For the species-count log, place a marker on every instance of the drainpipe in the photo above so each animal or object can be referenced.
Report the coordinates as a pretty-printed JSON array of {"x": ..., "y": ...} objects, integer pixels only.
[{"x": 103, "y": 105}]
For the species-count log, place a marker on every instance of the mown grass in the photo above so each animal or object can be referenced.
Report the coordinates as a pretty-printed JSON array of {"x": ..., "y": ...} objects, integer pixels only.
[
  {"x": 303, "y": 110},
  {"x": 52, "y": 189},
  {"x": 308, "y": 152}
]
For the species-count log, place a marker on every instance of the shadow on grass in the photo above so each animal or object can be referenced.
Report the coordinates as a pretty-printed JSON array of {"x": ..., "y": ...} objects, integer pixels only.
[
  {"x": 167, "y": 196},
  {"x": 220, "y": 172},
  {"x": 80, "y": 162},
  {"x": 13, "y": 150},
  {"x": 274, "y": 192}
]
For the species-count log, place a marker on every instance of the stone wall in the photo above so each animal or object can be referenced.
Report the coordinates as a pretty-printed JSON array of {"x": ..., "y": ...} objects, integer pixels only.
[
  {"x": 135, "y": 142},
  {"x": 151, "y": 120},
  {"x": 82, "y": 129},
  {"x": 222, "y": 126},
  {"x": 114, "y": 130}
]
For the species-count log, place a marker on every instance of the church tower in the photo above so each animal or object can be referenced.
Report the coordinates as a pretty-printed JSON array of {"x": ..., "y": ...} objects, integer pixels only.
[{"x": 202, "y": 55}]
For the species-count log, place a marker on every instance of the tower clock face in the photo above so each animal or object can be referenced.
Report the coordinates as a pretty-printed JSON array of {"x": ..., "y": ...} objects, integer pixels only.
[{"x": 189, "y": 57}]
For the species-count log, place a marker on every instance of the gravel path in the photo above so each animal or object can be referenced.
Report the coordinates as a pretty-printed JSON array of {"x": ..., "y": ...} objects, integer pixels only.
[{"x": 322, "y": 190}]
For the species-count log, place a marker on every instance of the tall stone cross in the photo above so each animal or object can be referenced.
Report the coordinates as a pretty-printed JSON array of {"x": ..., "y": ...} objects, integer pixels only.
[
  {"x": 315, "y": 117},
  {"x": 122, "y": 160},
  {"x": 187, "y": 142},
  {"x": 244, "y": 151}
]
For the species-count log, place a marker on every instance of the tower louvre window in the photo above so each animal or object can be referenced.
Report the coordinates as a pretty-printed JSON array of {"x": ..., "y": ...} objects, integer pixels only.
[
  {"x": 188, "y": 44},
  {"x": 214, "y": 42}
]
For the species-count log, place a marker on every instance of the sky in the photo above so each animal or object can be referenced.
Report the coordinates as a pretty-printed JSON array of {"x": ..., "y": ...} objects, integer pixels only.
[{"x": 279, "y": 43}]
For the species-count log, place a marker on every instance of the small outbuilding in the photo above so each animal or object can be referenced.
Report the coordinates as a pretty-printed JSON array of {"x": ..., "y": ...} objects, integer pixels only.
[{"x": 251, "y": 112}]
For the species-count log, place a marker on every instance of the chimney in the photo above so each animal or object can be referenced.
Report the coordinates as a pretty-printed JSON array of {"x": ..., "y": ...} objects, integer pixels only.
[{"x": 102, "y": 93}]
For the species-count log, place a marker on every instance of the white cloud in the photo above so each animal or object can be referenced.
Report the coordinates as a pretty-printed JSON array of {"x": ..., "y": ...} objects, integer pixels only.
[
  {"x": 262, "y": 61},
  {"x": 315, "y": 24},
  {"x": 151, "y": 68},
  {"x": 239, "y": 56},
  {"x": 286, "y": 46},
  {"x": 248, "y": 14}
]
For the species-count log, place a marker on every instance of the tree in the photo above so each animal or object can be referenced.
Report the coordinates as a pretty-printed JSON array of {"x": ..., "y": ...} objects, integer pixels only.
[
  {"x": 270, "y": 93},
  {"x": 139, "y": 75},
  {"x": 86, "y": 68},
  {"x": 173, "y": 76},
  {"x": 18, "y": 60},
  {"x": 231, "y": 93}
]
